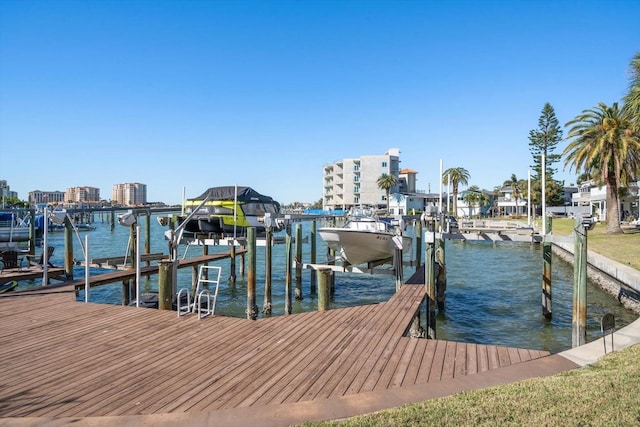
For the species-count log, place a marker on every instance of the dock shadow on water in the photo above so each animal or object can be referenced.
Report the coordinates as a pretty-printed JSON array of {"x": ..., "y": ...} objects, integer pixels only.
[{"x": 494, "y": 291}]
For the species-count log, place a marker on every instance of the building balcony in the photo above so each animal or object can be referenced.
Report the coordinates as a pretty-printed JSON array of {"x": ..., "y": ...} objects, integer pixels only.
[{"x": 580, "y": 197}]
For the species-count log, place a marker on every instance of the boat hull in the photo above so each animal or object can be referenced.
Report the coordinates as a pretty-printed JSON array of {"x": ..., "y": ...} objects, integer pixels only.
[
  {"x": 359, "y": 247},
  {"x": 17, "y": 234}
]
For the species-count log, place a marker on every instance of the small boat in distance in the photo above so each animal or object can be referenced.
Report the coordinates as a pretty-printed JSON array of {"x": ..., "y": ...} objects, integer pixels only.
[
  {"x": 228, "y": 212},
  {"x": 53, "y": 228},
  {"x": 365, "y": 238}
]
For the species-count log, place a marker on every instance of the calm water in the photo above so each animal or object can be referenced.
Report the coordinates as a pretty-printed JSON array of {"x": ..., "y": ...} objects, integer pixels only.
[{"x": 493, "y": 291}]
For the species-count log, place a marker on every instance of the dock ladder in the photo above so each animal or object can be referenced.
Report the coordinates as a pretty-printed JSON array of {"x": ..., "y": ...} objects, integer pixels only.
[{"x": 205, "y": 274}]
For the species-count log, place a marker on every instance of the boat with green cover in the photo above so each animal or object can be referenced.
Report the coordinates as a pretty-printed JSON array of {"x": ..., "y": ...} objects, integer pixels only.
[{"x": 228, "y": 211}]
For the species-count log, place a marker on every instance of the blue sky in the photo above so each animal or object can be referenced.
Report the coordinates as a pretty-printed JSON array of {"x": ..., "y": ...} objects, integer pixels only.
[{"x": 194, "y": 94}]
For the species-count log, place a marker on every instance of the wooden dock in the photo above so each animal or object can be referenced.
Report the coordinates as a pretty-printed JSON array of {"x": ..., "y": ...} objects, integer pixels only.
[
  {"x": 63, "y": 358},
  {"x": 494, "y": 231},
  {"x": 29, "y": 273},
  {"x": 32, "y": 273}
]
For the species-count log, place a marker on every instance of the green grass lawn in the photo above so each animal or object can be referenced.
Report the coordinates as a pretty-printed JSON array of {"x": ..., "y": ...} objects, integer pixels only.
[{"x": 624, "y": 248}]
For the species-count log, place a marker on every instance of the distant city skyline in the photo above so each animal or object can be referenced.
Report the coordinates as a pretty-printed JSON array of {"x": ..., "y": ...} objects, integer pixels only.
[
  {"x": 191, "y": 95},
  {"x": 127, "y": 194}
]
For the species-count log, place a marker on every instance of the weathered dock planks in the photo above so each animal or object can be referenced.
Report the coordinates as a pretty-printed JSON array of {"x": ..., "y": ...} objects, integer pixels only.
[
  {"x": 29, "y": 273},
  {"x": 63, "y": 358}
]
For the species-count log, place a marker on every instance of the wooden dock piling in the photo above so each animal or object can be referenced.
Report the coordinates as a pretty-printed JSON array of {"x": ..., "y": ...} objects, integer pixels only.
[
  {"x": 232, "y": 266},
  {"x": 298, "y": 262},
  {"x": 205, "y": 252},
  {"x": 324, "y": 288},
  {"x": 547, "y": 306},
  {"x": 252, "y": 308},
  {"x": 398, "y": 268},
  {"x": 430, "y": 285},
  {"x": 267, "y": 304},
  {"x": 194, "y": 279},
  {"x": 441, "y": 273},
  {"x": 147, "y": 235},
  {"x": 579, "y": 319},
  {"x": 126, "y": 292},
  {"x": 68, "y": 248},
  {"x": 418, "y": 228},
  {"x": 314, "y": 236},
  {"x": 243, "y": 262},
  {"x": 126, "y": 284},
  {"x": 165, "y": 284},
  {"x": 287, "y": 262}
]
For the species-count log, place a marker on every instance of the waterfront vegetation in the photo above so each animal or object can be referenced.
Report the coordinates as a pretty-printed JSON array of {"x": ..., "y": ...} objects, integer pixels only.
[{"x": 605, "y": 393}]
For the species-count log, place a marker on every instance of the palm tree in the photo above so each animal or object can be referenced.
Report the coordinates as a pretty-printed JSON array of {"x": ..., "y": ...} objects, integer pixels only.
[
  {"x": 475, "y": 197},
  {"x": 455, "y": 177},
  {"x": 632, "y": 99},
  {"x": 517, "y": 189},
  {"x": 386, "y": 182},
  {"x": 471, "y": 198},
  {"x": 483, "y": 200},
  {"x": 604, "y": 144}
]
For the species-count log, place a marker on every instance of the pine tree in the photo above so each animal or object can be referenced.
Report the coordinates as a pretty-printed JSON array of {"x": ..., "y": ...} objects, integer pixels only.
[{"x": 543, "y": 141}]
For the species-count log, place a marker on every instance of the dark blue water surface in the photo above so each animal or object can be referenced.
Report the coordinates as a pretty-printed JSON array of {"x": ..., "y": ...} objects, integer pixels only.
[{"x": 493, "y": 290}]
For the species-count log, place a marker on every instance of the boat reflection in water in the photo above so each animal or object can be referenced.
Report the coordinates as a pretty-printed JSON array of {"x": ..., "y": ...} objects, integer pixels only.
[{"x": 365, "y": 238}]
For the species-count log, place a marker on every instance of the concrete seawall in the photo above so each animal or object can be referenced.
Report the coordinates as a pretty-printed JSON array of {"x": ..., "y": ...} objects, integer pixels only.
[{"x": 621, "y": 281}]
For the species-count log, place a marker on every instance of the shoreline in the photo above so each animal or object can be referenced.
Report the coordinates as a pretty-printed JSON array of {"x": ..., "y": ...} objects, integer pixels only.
[{"x": 619, "y": 280}]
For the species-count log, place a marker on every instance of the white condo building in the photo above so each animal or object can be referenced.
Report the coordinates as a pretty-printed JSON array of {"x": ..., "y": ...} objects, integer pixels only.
[{"x": 353, "y": 182}]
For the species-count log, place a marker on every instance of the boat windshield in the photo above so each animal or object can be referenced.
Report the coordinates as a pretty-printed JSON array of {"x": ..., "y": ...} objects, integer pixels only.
[
  {"x": 367, "y": 225},
  {"x": 210, "y": 210},
  {"x": 258, "y": 209},
  {"x": 361, "y": 212}
]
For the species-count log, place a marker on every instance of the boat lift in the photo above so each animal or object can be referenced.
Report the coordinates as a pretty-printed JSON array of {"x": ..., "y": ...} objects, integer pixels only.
[
  {"x": 176, "y": 237},
  {"x": 395, "y": 269}
]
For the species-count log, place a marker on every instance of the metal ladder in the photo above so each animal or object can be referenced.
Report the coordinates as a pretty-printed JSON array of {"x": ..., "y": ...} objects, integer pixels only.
[{"x": 201, "y": 294}]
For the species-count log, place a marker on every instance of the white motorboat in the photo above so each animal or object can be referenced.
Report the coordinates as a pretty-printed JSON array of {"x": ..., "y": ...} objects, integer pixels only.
[{"x": 365, "y": 238}]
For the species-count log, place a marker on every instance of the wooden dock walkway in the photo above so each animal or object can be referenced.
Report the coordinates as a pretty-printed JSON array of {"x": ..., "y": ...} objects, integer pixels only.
[
  {"x": 29, "y": 273},
  {"x": 63, "y": 358}
]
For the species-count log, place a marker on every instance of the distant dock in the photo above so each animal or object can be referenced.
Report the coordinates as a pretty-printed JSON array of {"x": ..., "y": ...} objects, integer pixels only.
[{"x": 493, "y": 231}]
